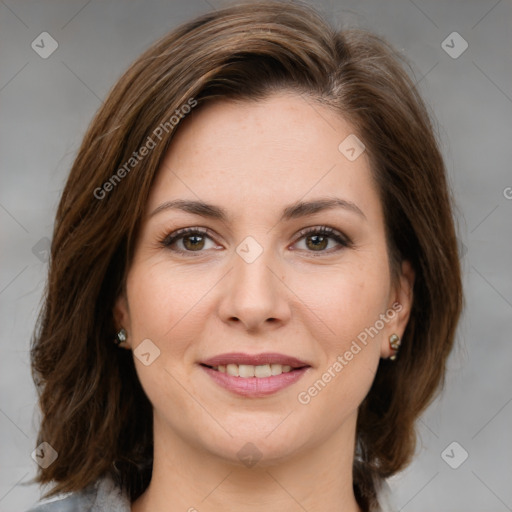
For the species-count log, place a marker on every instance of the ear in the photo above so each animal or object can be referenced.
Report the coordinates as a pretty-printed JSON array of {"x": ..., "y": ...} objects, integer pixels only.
[
  {"x": 401, "y": 300},
  {"x": 121, "y": 314}
]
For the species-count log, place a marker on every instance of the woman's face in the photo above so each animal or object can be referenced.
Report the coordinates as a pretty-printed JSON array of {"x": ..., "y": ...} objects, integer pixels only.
[{"x": 258, "y": 285}]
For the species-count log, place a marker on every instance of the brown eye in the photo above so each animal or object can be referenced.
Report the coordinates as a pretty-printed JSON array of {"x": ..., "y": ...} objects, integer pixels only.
[
  {"x": 193, "y": 242},
  {"x": 317, "y": 240},
  {"x": 187, "y": 240}
]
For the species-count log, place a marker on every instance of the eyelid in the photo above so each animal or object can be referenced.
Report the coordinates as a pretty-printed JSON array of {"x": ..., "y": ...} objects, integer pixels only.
[
  {"x": 166, "y": 241},
  {"x": 179, "y": 233},
  {"x": 327, "y": 231}
]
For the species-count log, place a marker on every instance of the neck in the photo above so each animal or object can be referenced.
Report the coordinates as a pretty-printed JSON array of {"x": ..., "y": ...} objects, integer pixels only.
[{"x": 317, "y": 478}]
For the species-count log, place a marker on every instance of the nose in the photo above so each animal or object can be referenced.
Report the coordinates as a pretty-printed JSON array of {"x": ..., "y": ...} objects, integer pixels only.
[{"x": 255, "y": 294}]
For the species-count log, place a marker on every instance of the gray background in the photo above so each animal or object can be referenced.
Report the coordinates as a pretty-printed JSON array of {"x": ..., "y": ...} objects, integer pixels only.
[{"x": 46, "y": 105}]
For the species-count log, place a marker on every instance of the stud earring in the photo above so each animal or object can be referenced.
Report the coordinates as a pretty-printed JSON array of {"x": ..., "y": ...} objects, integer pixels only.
[
  {"x": 121, "y": 337},
  {"x": 394, "y": 343}
]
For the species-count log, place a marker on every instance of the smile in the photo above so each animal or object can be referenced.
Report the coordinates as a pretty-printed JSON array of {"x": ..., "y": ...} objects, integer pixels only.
[
  {"x": 247, "y": 370},
  {"x": 254, "y": 375}
]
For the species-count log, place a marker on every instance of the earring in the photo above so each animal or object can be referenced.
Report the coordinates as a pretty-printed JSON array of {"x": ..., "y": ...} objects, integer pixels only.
[
  {"x": 394, "y": 343},
  {"x": 121, "y": 337}
]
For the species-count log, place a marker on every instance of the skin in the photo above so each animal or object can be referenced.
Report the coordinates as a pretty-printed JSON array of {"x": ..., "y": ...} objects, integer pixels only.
[{"x": 253, "y": 159}]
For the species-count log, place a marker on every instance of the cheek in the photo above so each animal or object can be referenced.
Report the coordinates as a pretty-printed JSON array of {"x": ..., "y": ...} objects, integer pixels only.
[
  {"x": 346, "y": 300},
  {"x": 166, "y": 307},
  {"x": 161, "y": 298},
  {"x": 349, "y": 305},
  {"x": 350, "y": 301}
]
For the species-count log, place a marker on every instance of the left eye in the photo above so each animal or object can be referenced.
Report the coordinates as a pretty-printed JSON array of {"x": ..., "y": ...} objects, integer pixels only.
[{"x": 317, "y": 239}]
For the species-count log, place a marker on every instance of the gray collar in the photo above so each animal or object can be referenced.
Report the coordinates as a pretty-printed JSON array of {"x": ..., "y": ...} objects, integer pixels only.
[{"x": 101, "y": 496}]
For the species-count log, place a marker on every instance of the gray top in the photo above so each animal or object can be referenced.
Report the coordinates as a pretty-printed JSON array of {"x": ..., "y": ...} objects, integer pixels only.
[
  {"x": 105, "y": 496},
  {"x": 101, "y": 496}
]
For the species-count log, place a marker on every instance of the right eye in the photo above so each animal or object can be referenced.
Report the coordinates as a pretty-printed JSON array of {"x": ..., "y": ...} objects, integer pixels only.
[{"x": 191, "y": 240}]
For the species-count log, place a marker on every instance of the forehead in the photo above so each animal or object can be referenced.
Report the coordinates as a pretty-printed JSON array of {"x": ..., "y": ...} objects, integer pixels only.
[{"x": 281, "y": 149}]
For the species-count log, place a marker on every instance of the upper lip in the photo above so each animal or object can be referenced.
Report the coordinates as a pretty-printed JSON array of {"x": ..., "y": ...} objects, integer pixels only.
[{"x": 254, "y": 359}]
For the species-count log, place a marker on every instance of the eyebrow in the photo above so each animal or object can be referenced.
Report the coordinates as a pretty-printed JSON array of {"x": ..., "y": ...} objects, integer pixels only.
[{"x": 293, "y": 211}]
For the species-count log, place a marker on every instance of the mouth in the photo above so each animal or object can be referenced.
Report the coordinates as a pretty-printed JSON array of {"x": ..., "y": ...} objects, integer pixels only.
[
  {"x": 261, "y": 371},
  {"x": 263, "y": 365},
  {"x": 254, "y": 375}
]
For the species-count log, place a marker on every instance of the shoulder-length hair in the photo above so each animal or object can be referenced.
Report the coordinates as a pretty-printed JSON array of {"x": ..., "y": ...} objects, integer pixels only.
[{"x": 94, "y": 411}]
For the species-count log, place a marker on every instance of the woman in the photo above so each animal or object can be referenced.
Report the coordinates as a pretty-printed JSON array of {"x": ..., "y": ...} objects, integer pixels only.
[{"x": 259, "y": 218}]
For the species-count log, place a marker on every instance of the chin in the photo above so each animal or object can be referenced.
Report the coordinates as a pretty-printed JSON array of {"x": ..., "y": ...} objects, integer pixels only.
[
  {"x": 244, "y": 452},
  {"x": 261, "y": 447}
]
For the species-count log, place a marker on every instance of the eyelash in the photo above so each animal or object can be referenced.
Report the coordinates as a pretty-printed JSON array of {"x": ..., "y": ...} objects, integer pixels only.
[{"x": 342, "y": 240}]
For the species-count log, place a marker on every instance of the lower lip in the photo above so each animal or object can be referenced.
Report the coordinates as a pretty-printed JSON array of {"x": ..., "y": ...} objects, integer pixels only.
[{"x": 255, "y": 386}]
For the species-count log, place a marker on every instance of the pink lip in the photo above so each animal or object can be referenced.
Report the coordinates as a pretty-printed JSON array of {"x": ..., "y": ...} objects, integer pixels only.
[
  {"x": 255, "y": 359},
  {"x": 253, "y": 386}
]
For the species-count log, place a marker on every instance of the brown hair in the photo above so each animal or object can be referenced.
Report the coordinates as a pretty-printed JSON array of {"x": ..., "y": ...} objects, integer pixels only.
[{"x": 94, "y": 411}]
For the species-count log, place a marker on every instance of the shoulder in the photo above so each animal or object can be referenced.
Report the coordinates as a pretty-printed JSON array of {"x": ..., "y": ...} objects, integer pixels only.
[{"x": 101, "y": 496}]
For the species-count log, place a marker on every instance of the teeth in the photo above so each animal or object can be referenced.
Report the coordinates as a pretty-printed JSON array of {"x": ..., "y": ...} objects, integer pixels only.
[
  {"x": 232, "y": 369},
  {"x": 245, "y": 370},
  {"x": 276, "y": 369},
  {"x": 262, "y": 371},
  {"x": 248, "y": 370}
]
